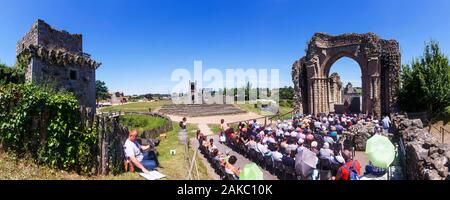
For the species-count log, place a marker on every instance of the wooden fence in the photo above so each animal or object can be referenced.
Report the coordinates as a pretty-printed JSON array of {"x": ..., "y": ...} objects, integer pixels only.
[{"x": 111, "y": 137}]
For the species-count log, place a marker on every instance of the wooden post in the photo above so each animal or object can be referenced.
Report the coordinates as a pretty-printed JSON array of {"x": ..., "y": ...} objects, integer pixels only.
[{"x": 442, "y": 132}]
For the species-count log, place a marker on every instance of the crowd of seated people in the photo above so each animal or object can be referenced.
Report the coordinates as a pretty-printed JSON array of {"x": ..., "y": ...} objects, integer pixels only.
[
  {"x": 275, "y": 148},
  {"x": 223, "y": 163}
]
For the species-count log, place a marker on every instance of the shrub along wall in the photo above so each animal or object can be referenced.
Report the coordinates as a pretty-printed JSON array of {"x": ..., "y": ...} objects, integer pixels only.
[
  {"x": 155, "y": 132},
  {"x": 51, "y": 128},
  {"x": 46, "y": 125}
]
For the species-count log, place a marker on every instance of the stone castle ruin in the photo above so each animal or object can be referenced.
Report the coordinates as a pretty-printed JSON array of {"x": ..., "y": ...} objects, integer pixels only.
[
  {"x": 380, "y": 65},
  {"x": 335, "y": 90},
  {"x": 56, "y": 58}
]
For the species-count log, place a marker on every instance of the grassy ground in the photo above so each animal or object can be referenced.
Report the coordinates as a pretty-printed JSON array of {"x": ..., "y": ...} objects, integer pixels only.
[
  {"x": 215, "y": 128},
  {"x": 174, "y": 166},
  {"x": 12, "y": 168},
  {"x": 142, "y": 122},
  {"x": 251, "y": 108},
  {"x": 136, "y": 107}
]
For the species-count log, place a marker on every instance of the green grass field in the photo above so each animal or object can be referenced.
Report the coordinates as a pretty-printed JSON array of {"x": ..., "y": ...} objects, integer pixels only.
[
  {"x": 136, "y": 107},
  {"x": 142, "y": 122},
  {"x": 14, "y": 168},
  {"x": 174, "y": 166},
  {"x": 215, "y": 128},
  {"x": 251, "y": 108}
]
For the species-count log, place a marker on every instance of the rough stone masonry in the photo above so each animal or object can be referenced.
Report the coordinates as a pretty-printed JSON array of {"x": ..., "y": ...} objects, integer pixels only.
[
  {"x": 426, "y": 158},
  {"x": 380, "y": 66},
  {"x": 56, "y": 58}
]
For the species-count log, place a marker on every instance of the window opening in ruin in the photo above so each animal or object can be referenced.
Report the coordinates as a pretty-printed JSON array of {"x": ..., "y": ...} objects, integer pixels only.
[{"x": 73, "y": 75}]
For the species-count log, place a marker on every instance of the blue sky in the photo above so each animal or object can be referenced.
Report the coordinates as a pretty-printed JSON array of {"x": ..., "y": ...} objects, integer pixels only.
[{"x": 140, "y": 43}]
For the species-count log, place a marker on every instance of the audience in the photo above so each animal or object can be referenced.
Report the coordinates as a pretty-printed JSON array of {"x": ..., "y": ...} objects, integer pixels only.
[{"x": 281, "y": 142}]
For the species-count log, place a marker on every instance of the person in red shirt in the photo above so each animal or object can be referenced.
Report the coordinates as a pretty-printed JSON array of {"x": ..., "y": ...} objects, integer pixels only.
[{"x": 343, "y": 173}]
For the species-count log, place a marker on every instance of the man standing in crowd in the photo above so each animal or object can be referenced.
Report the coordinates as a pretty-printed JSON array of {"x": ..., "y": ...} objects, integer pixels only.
[{"x": 386, "y": 124}]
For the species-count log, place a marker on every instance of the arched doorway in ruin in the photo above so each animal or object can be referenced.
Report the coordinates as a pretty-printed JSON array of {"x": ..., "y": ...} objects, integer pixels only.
[
  {"x": 380, "y": 65},
  {"x": 344, "y": 86}
]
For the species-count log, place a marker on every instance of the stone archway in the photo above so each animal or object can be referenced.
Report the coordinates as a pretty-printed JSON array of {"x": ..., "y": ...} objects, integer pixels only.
[{"x": 380, "y": 65}]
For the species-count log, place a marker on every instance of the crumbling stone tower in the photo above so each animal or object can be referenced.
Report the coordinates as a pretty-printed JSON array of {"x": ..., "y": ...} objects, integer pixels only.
[{"x": 56, "y": 58}]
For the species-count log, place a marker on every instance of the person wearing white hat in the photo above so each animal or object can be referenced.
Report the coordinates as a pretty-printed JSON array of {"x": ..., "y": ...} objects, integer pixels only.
[
  {"x": 314, "y": 147},
  {"x": 287, "y": 134},
  {"x": 300, "y": 143},
  {"x": 325, "y": 152},
  {"x": 294, "y": 134},
  {"x": 302, "y": 136}
]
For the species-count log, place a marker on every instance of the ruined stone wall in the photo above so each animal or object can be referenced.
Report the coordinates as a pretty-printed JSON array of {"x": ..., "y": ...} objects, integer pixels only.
[
  {"x": 56, "y": 59},
  {"x": 426, "y": 158},
  {"x": 42, "y": 34},
  {"x": 379, "y": 61},
  {"x": 83, "y": 87}
]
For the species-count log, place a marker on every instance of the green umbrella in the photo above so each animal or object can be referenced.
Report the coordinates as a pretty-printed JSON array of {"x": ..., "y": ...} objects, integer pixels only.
[
  {"x": 251, "y": 171},
  {"x": 380, "y": 151}
]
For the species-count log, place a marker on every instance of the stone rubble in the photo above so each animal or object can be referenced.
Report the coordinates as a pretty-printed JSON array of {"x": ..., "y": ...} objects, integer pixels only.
[{"x": 426, "y": 158}]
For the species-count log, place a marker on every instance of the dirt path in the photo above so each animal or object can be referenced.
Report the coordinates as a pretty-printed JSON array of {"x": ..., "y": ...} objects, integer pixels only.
[{"x": 202, "y": 122}]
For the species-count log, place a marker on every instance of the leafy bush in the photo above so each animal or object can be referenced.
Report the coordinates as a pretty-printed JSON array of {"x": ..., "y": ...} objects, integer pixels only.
[
  {"x": 45, "y": 124},
  {"x": 142, "y": 122},
  {"x": 10, "y": 75},
  {"x": 425, "y": 86}
]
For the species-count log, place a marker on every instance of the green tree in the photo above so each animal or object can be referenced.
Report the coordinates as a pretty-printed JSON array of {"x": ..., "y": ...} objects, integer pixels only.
[
  {"x": 11, "y": 74},
  {"x": 101, "y": 90},
  {"x": 287, "y": 93},
  {"x": 425, "y": 85}
]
